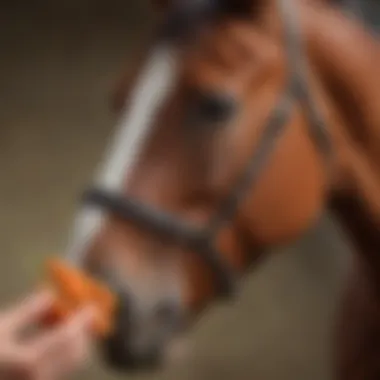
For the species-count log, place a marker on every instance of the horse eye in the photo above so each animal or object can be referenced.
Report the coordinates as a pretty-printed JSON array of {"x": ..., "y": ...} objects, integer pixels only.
[{"x": 213, "y": 107}]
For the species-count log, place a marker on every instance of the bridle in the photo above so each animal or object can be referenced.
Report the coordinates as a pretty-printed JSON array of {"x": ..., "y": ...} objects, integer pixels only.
[{"x": 202, "y": 240}]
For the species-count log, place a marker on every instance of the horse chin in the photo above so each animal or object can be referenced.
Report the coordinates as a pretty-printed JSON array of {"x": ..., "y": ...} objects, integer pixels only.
[
  {"x": 176, "y": 351},
  {"x": 120, "y": 359}
]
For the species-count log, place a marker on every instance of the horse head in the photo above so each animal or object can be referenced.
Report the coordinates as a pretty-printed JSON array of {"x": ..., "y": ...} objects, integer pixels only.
[{"x": 213, "y": 162}]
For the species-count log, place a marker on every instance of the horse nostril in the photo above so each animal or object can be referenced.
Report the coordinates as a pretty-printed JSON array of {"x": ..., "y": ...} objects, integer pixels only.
[{"x": 216, "y": 107}]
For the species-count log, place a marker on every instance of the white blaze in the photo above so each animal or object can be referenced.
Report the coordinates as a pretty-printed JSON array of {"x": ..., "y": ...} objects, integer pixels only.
[{"x": 135, "y": 125}]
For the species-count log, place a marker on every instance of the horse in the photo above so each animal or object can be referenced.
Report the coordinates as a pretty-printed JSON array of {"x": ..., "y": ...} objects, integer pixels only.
[{"x": 237, "y": 130}]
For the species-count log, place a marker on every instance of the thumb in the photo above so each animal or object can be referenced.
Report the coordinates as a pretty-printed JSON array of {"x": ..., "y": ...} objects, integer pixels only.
[{"x": 84, "y": 318}]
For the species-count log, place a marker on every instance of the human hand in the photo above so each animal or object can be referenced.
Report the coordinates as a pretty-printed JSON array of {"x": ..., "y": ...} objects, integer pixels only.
[{"x": 48, "y": 354}]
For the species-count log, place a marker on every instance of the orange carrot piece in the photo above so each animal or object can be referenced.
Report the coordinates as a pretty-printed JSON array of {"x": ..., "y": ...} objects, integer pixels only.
[{"x": 76, "y": 289}]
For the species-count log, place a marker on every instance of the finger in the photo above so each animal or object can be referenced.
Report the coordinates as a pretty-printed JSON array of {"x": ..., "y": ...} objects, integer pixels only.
[
  {"x": 18, "y": 362},
  {"x": 54, "y": 354},
  {"x": 84, "y": 318},
  {"x": 53, "y": 340},
  {"x": 67, "y": 346},
  {"x": 28, "y": 311},
  {"x": 70, "y": 357}
]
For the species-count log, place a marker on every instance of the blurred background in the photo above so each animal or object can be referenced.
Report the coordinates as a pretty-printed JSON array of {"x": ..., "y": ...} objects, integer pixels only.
[{"x": 59, "y": 62}]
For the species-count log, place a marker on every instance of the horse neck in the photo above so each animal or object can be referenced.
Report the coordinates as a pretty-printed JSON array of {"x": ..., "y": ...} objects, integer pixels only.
[{"x": 345, "y": 57}]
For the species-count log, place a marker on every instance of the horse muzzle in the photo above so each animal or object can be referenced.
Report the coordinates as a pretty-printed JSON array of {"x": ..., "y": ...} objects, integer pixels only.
[{"x": 139, "y": 340}]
